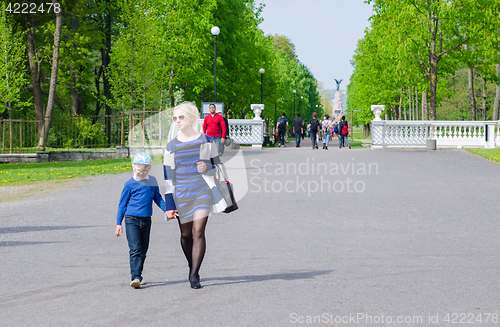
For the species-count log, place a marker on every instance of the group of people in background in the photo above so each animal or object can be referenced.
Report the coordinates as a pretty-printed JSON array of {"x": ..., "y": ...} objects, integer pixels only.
[{"x": 324, "y": 129}]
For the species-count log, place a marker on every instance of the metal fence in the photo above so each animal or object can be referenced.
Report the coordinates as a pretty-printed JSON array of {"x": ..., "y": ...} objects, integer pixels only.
[
  {"x": 22, "y": 136},
  {"x": 138, "y": 128}
]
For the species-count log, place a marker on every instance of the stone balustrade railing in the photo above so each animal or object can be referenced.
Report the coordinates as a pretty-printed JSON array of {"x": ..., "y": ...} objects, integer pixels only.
[
  {"x": 244, "y": 131},
  {"x": 456, "y": 134}
]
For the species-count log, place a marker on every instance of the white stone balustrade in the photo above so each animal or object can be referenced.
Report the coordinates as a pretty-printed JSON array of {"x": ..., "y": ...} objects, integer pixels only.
[
  {"x": 243, "y": 131},
  {"x": 448, "y": 134}
]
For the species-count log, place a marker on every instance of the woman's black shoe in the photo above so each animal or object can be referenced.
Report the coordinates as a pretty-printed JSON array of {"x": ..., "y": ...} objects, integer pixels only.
[{"x": 195, "y": 284}]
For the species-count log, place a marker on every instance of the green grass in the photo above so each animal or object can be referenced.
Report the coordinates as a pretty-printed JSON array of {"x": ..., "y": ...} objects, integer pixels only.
[
  {"x": 490, "y": 154},
  {"x": 356, "y": 144},
  {"x": 20, "y": 174},
  {"x": 358, "y": 135}
]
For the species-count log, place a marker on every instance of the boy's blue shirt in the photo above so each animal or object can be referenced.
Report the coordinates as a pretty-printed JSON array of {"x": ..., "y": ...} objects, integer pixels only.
[{"x": 137, "y": 199}]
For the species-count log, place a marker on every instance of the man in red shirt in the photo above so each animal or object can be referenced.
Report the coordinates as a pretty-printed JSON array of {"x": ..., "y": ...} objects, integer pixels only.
[{"x": 214, "y": 126}]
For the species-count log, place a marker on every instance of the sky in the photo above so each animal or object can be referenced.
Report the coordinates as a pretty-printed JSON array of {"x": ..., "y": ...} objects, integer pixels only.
[{"x": 325, "y": 33}]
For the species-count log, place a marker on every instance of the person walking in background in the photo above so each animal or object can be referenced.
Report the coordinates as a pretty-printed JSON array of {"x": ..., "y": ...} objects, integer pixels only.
[
  {"x": 326, "y": 126},
  {"x": 344, "y": 131},
  {"x": 187, "y": 194},
  {"x": 298, "y": 129},
  {"x": 214, "y": 126},
  {"x": 281, "y": 126},
  {"x": 318, "y": 136},
  {"x": 136, "y": 206},
  {"x": 226, "y": 136},
  {"x": 314, "y": 126}
]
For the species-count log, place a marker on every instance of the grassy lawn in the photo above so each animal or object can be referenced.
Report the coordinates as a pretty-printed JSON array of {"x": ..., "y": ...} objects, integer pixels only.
[
  {"x": 490, "y": 154},
  {"x": 358, "y": 134},
  {"x": 21, "y": 174}
]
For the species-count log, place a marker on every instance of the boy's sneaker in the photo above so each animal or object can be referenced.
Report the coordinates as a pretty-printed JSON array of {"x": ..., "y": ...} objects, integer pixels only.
[
  {"x": 136, "y": 283},
  {"x": 143, "y": 282}
]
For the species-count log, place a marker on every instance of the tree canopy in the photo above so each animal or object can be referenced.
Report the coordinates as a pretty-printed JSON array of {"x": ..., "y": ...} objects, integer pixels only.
[
  {"x": 413, "y": 47},
  {"x": 148, "y": 55}
]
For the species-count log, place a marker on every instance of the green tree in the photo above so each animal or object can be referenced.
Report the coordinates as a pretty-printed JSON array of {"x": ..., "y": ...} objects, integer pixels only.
[{"x": 12, "y": 58}]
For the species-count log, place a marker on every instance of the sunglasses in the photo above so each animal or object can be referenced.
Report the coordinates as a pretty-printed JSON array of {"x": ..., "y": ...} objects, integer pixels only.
[{"x": 181, "y": 117}]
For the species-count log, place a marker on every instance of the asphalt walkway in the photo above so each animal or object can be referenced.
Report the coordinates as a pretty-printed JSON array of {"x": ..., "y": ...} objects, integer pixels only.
[{"x": 322, "y": 238}]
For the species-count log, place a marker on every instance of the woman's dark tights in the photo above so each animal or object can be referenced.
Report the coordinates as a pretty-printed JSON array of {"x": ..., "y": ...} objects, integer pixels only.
[{"x": 194, "y": 244}]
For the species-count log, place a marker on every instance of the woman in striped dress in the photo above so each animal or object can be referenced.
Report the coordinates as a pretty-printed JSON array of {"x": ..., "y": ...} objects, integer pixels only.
[{"x": 188, "y": 197}]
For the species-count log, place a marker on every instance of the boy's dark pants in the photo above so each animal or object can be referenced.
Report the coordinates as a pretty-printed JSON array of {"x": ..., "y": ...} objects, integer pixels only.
[{"x": 137, "y": 230}]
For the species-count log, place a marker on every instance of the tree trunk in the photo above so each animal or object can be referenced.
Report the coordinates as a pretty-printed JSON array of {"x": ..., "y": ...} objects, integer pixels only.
[
  {"x": 425, "y": 114},
  {"x": 399, "y": 110},
  {"x": 97, "y": 81},
  {"x": 484, "y": 99},
  {"x": 105, "y": 62},
  {"x": 366, "y": 129},
  {"x": 53, "y": 79},
  {"x": 433, "y": 89},
  {"x": 35, "y": 66},
  {"x": 472, "y": 99},
  {"x": 75, "y": 91},
  {"x": 144, "y": 98},
  {"x": 404, "y": 109},
  {"x": 132, "y": 62},
  {"x": 161, "y": 95},
  {"x": 497, "y": 95},
  {"x": 410, "y": 103},
  {"x": 416, "y": 102},
  {"x": 434, "y": 60},
  {"x": 8, "y": 104},
  {"x": 171, "y": 88}
]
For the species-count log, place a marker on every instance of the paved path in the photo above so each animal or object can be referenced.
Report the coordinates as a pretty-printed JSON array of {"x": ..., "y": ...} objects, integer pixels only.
[{"x": 392, "y": 235}]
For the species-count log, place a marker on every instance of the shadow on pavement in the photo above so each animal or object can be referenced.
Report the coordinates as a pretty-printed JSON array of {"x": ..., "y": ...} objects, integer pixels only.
[
  {"x": 18, "y": 243},
  {"x": 245, "y": 279},
  {"x": 24, "y": 229}
]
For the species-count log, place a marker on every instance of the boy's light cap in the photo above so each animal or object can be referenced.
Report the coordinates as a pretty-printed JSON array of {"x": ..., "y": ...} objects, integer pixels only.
[{"x": 142, "y": 158}]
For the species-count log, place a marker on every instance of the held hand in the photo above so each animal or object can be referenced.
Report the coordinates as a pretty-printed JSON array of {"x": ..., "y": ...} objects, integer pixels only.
[
  {"x": 118, "y": 230},
  {"x": 171, "y": 214},
  {"x": 202, "y": 167}
]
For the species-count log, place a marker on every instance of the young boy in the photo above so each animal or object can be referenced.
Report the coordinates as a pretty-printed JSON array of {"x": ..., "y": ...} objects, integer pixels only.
[{"x": 136, "y": 206}]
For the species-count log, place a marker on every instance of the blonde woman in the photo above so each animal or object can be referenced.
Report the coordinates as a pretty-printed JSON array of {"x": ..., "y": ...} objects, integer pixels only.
[{"x": 188, "y": 156}]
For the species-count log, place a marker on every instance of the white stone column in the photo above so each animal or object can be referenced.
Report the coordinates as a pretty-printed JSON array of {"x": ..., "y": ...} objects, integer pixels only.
[
  {"x": 490, "y": 144},
  {"x": 257, "y": 110},
  {"x": 377, "y": 128}
]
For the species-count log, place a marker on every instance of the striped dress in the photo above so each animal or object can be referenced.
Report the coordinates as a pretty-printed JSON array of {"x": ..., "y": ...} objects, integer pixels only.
[{"x": 191, "y": 191}]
